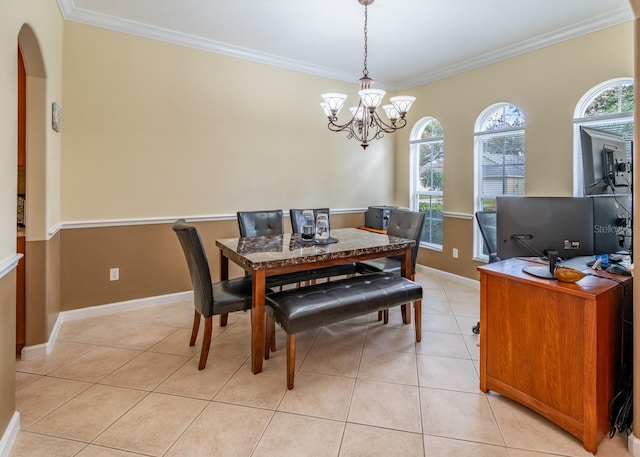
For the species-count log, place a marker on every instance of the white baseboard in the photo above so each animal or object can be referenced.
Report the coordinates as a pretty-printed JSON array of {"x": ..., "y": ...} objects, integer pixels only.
[
  {"x": 450, "y": 276},
  {"x": 40, "y": 350},
  {"x": 633, "y": 445},
  {"x": 10, "y": 434}
]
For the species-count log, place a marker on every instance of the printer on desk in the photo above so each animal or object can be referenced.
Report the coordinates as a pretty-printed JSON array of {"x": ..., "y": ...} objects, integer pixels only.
[{"x": 377, "y": 217}]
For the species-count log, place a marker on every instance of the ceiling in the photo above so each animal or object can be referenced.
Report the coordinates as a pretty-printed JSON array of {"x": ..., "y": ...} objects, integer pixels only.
[{"x": 410, "y": 42}]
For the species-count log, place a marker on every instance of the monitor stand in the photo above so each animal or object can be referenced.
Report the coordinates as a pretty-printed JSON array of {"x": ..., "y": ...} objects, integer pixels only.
[
  {"x": 544, "y": 272},
  {"x": 540, "y": 272}
]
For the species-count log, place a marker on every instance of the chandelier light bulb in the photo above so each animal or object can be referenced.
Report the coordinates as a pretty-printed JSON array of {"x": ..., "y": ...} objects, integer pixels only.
[
  {"x": 333, "y": 102},
  {"x": 402, "y": 103},
  {"x": 357, "y": 112},
  {"x": 391, "y": 112},
  {"x": 371, "y": 98}
]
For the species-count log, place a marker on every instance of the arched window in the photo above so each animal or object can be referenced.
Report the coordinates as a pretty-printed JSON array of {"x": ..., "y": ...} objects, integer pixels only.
[
  {"x": 427, "y": 166},
  {"x": 499, "y": 160},
  {"x": 607, "y": 106}
]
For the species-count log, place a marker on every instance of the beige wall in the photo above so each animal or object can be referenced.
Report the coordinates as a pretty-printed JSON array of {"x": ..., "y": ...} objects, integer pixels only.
[
  {"x": 158, "y": 130},
  {"x": 7, "y": 349}
]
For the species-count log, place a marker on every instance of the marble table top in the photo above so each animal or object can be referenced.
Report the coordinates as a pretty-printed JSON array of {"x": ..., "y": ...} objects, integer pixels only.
[{"x": 266, "y": 252}]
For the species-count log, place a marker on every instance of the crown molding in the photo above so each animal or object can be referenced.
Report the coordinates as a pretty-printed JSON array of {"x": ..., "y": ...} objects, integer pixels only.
[
  {"x": 581, "y": 28},
  {"x": 71, "y": 13}
]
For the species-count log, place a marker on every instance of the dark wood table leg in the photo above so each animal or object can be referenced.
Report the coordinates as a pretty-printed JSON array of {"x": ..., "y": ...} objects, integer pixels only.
[
  {"x": 406, "y": 272},
  {"x": 257, "y": 320}
]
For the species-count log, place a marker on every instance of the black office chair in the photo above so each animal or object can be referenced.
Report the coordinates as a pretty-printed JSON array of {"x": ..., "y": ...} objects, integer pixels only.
[
  {"x": 210, "y": 299},
  {"x": 487, "y": 225},
  {"x": 268, "y": 223},
  {"x": 404, "y": 224},
  {"x": 297, "y": 221}
]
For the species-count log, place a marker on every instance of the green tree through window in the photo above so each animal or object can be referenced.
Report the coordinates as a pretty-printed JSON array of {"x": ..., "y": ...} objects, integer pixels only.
[
  {"x": 500, "y": 159},
  {"x": 427, "y": 149}
]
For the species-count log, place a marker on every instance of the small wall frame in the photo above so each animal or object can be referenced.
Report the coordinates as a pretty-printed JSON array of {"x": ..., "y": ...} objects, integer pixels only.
[{"x": 55, "y": 116}]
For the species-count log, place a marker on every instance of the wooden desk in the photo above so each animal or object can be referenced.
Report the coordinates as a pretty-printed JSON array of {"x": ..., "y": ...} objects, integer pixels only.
[
  {"x": 270, "y": 255},
  {"x": 551, "y": 346}
]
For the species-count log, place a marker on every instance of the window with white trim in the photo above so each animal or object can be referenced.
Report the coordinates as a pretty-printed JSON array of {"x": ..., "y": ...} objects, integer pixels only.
[
  {"x": 607, "y": 106},
  {"x": 499, "y": 160},
  {"x": 427, "y": 166}
]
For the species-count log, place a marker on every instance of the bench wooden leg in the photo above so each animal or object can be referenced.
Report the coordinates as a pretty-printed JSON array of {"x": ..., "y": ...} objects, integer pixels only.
[
  {"x": 417, "y": 314},
  {"x": 196, "y": 327},
  {"x": 385, "y": 313},
  {"x": 206, "y": 342},
  {"x": 380, "y": 315},
  {"x": 291, "y": 359},
  {"x": 223, "y": 320}
]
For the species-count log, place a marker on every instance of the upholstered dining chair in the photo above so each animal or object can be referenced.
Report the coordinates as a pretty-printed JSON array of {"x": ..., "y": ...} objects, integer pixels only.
[
  {"x": 209, "y": 299},
  {"x": 260, "y": 223},
  {"x": 268, "y": 223},
  {"x": 297, "y": 221},
  {"x": 404, "y": 224}
]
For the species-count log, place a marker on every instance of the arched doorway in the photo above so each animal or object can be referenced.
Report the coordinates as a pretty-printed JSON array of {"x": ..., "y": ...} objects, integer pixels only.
[{"x": 36, "y": 326}]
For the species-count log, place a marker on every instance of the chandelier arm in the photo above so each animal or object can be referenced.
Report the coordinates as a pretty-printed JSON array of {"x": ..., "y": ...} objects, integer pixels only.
[
  {"x": 347, "y": 127},
  {"x": 388, "y": 128}
]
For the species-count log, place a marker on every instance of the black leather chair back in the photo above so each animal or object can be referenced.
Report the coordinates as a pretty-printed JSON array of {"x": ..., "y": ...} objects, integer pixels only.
[
  {"x": 407, "y": 224},
  {"x": 198, "y": 266},
  {"x": 297, "y": 221},
  {"x": 487, "y": 224},
  {"x": 260, "y": 223}
]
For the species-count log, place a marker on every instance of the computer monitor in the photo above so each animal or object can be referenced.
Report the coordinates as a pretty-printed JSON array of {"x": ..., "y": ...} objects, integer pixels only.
[
  {"x": 531, "y": 226},
  {"x": 612, "y": 226},
  {"x": 605, "y": 162}
]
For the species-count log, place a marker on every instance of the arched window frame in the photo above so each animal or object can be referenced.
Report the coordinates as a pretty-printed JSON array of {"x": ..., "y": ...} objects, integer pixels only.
[
  {"x": 428, "y": 200},
  {"x": 512, "y": 180},
  {"x": 612, "y": 122}
]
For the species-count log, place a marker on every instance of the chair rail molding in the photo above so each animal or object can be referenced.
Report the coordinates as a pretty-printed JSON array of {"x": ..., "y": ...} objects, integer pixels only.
[{"x": 9, "y": 264}]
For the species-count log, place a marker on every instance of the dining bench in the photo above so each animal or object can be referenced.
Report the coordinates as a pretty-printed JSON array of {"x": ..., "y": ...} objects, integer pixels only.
[{"x": 314, "y": 306}]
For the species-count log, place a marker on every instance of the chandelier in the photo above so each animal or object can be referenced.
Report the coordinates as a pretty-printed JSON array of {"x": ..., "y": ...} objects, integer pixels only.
[{"x": 366, "y": 124}]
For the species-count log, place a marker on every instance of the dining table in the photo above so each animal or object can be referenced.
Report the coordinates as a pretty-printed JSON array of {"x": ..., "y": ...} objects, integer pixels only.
[{"x": 264, "y": 256}]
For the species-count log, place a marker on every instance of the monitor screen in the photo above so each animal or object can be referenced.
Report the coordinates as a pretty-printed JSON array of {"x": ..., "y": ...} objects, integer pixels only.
[
  {"x": 530, "y": 226},
  {"x": 605, "y": 162}
]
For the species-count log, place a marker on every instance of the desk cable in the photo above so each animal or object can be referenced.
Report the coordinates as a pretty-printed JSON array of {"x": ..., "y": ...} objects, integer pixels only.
[{"x": 621, "y": 406}]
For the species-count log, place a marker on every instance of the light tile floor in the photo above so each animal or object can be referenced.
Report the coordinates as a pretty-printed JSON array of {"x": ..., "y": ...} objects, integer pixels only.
[{"x": 127, "y": 384}]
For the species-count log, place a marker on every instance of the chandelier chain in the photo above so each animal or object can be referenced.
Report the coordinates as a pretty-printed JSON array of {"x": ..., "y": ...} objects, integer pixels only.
[{"x": 365, "y": 71}]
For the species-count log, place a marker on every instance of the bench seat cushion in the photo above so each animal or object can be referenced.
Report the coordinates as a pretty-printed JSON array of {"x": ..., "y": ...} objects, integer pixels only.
[{"x": 309, "y": 307}]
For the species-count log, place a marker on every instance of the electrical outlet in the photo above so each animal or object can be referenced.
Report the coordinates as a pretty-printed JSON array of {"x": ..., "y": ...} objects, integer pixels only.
[
  {"x": 114, "y": 274},
  {"x": 455, "y": 253}
]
